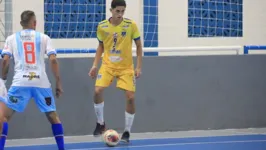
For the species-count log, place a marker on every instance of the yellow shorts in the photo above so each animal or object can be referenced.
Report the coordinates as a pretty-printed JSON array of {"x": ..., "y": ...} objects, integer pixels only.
[{"x": 125, "y": 78}]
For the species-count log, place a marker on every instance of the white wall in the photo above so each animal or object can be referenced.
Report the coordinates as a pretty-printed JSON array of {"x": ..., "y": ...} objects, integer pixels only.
[{"x": 172, "y": 24}]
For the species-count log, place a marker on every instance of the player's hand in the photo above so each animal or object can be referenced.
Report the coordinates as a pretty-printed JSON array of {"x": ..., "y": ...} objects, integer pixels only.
[
  {"x": 137, "y": 73},
  {"x": 58, "y": 90},
  {"x": 93, "y": 72}
]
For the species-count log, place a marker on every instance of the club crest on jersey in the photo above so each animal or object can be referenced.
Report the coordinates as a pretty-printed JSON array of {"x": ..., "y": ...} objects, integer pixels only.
[
  {"x": 13, "y": 99},
  {"x": 105, "y": 26},
  {"x": 123, "y": 34}
]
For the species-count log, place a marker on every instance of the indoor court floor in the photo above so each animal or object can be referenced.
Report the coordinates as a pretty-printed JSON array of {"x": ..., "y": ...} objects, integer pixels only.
[{"x": 241, "y": 139}]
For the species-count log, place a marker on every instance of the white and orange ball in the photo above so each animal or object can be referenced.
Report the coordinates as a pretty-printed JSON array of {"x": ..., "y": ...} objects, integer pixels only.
[{"x": 111, "y": 138}]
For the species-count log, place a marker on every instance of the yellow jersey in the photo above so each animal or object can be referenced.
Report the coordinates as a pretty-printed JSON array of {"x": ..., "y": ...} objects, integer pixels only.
[{"x": 117, "y": 42}]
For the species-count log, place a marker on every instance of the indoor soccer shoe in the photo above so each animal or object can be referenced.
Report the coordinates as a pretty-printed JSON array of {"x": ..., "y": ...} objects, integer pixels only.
[
  {"x": 125, "y": 137},
  {"x": 99, "y": 129}
]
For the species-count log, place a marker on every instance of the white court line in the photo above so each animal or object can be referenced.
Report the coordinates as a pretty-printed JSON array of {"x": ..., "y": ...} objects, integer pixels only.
[
  {"x": 140, "y": 136},
  {"x": 176, "y": 144}
]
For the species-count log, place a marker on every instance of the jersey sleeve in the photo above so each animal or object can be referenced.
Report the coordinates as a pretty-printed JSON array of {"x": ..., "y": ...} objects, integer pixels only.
[
  {"x": 135, "y": 32},
  {"x": 49, "y": 47},
  {"x": 7, "y": 48},
  {"x": 99, "y": 34}
]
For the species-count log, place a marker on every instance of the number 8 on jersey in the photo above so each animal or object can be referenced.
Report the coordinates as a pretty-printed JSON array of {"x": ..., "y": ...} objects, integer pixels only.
[{"x": 29, "y": 48}]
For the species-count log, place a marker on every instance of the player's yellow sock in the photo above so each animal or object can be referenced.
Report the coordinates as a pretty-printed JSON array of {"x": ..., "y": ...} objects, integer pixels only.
[
  {"x": 99, "y": 112},
  {"x": 129, "y": 118}
]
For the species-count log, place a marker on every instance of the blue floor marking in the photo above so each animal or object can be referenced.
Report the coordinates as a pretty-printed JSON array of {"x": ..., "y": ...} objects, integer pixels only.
[{"x": 240, "y": 142}]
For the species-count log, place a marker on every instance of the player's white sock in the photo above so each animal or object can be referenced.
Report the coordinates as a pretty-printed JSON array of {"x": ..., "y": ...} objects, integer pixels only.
[
  {"x": 129, "y": 118},
  {"x": 99, "y": 112}
]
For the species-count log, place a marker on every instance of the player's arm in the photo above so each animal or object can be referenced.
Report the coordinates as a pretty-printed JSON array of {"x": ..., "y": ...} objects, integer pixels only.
[
  {"x": 6, "y": 54},
  {"x": 55, "y": 67},
  {"x": 139, "y": 53},
  {"x": 100, "y": 48},
  {"x": 136, "y": 37},
  {"x": 98, "y": 54},
  {"x": 55, "y": 70},
  {"x": 5, "y": 66},
  {"x": 51, "y": 52}
]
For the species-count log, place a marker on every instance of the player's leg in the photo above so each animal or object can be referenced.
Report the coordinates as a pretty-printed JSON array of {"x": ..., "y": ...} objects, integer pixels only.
[
  {"x": 45, "y": 101},
  {"x": 5, "y": 115},
  {"x": 104, "y": 79},
  {"x": 57, "y": 128},
  {"x": 16, "y": 101},
  {"x": 126, "y": 81}
]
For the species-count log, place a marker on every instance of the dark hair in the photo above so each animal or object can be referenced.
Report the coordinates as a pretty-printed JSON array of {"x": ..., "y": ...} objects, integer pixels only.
[
  {"x": 116, "y": 3},
  {"x": 26, "y": 16}
]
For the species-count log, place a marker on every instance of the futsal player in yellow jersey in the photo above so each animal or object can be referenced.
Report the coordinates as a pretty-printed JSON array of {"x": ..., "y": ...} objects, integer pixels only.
[{"x": 115, "y": 37}]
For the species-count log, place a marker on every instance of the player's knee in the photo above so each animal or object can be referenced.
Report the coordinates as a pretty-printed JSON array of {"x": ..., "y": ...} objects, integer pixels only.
[
  {"x": 98, "y": 90},
  {"x": 2, "y": 120},
  {"x": 130, "y": 96},
  {"x": 3, "y": 117},
  {"x": 53, "y": 117}
]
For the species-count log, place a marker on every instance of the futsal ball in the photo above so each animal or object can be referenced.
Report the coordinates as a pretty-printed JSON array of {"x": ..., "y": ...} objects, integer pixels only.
[{"x": 111, "y": 138}]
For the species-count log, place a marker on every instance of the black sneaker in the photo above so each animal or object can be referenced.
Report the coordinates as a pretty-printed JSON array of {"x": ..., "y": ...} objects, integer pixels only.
[
  {"x": 125, "y": 137},
  {"x": 99, "y": 129}
]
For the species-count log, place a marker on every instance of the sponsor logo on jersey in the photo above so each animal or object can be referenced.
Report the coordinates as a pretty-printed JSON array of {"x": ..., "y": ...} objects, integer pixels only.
[
  {"x": 115, "y": 59},
  {"x": 31, "y": 67},
  {"x": 115, "y": 51},
  {"x": 115, "y": 35},
  {"x": 31, "y": 76},
  {"x": 126, "y": 26},
  {"x": 26, "y": 37}
]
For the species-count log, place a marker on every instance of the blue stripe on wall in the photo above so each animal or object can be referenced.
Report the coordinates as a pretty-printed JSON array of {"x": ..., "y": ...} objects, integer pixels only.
[
  {"x": 150, "y": 21},
  {"x": 248, "y": 48},
  {"x": 93, "y": 51}
]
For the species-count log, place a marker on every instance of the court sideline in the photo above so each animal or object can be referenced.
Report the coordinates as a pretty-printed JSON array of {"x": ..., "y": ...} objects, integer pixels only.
[{"x": 235, "y": 139}]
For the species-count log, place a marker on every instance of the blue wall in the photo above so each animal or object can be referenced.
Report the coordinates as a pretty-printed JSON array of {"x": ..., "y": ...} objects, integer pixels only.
[
  {"x": 150, "y": 21},
  {"x": 80, "y": 17},
  {"x": 215, "y": 18}
]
